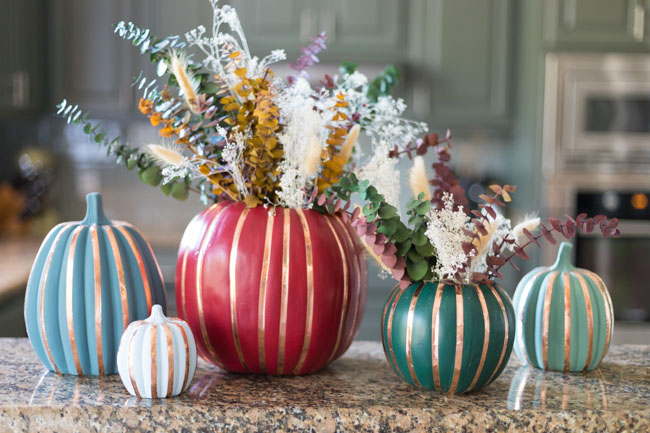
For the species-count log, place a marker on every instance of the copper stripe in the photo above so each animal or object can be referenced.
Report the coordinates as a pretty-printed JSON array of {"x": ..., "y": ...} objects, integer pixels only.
[
  {"x": 97, "y": 274},
  {"x": 264, "y": 280},
  {"x": 344, "y": 309},
  {"x": 138, "y": 258},
  {"x": 187, "y": 355},
  {"x": 40, "y": 250},
  {"x": 460, "y": 336},
  {"x": 355, "y": 318},
  {"x": 546, "y": 317},
  {"x": 609, "y": 313},
  {"x": 567, "y": 321},
  {"x": 69, "y": 296},
  {"x": 199, "y": 286},
  {"x": 486, "y": 337},
  {"x": 183, "y": 282},
  {"x": 232, "y": 266},
  {"x": 389, "y": 331},
  {"x": 435, "y": 336},
  {"x": 45, "y": 274},
  {"x": 286, "y": 239},
  {"x": 310, "y": 292},
  {"x": 383, "y": 319},
  {"x": 505, "y": 334},
  {"x": 130, "y": 358},
  {"x": 590, "y": 319},
  {"x": 409, "y": 334},
  {"x": 119, "y": 266},
  {"x": 153, "y": 256},
  {"x": 170, "y": 360},
  {"x": 519, "y": 329},
  {"x": 154, "y": 362}
]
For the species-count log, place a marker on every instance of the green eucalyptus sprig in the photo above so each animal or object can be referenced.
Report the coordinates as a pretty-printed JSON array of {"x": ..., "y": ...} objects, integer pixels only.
[
  {"x": 131, "y": 157},
  {"x": 405, "y": 251}
]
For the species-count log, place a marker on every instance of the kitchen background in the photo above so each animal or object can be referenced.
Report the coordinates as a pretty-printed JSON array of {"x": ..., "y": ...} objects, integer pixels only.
[{"x": 553, "y": 96}]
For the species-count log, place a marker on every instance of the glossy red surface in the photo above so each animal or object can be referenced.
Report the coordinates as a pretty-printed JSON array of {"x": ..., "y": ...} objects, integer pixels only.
[{"x": 245, "y": 285}]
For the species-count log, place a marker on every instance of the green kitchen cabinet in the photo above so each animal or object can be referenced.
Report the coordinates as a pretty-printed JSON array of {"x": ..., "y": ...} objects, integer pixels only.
[
  {"x": 359, "y": 30},
  {"x": 461, "y": 62},
  {"x": 91, "y": 66},
  {"x": 22, "y": 47},
  {"x": 597, "y": 25}
]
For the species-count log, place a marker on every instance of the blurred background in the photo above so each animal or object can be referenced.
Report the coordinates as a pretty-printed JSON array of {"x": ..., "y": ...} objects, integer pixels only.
[{"x": 553, "y": 96}]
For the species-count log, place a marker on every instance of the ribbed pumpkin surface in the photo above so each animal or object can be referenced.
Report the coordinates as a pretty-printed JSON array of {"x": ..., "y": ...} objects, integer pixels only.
[
  {"x": 454, "y": 339},
  {"x": 90, "y": 279},
  {"x": 276, "y": 291},
  {"x": 565, "y": 317}
]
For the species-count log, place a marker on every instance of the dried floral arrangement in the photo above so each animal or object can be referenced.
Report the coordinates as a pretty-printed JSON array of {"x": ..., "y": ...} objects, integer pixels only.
[{"x": 231, "y": 130}]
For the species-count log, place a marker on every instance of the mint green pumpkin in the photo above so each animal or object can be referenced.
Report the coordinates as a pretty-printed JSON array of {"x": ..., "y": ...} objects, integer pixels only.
[
  {"x": 565, "y": 317},
  {"x": 454, "y": 339}
]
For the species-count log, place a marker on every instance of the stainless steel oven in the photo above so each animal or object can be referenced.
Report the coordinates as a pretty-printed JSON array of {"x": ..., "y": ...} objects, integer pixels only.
[
  {"x": 623, "y": 263},
  {"x": 597, "y": 112}
]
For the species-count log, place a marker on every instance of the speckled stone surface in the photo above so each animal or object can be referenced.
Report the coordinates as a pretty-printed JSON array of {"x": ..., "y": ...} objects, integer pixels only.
[{"x": 359, "y": 392}]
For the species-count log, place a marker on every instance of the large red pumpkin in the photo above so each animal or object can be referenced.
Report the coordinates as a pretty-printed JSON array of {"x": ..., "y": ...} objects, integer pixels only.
[{"x": 276, "y": 291}]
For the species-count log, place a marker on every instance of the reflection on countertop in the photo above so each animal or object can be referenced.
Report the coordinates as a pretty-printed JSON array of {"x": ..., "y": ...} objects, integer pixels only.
[{"x": 359, "y": 391}]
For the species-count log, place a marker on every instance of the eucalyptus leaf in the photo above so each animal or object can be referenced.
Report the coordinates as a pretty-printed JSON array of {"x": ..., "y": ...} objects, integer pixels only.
[{"x": 417, "y": 271}]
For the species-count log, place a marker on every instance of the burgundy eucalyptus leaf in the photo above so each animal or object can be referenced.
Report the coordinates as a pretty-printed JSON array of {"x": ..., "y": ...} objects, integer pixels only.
[
  {"x": 548, "y": 236},
  {"x": 390, "y": 248},
  {"x": 521, "y": 253},
  {"x": 401, "y": 264},
  {"x": 530, "y": 236},
  {"x": 389, "y": 260}
]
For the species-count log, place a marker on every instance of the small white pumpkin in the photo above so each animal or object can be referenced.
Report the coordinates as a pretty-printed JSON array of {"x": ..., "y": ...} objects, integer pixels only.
[{"x": 157, "y": 356}]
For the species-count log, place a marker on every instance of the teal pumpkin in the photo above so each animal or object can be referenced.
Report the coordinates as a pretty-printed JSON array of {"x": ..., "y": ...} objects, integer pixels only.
[
  {"x": 454, "y": 339},
  {"x": 90, "y": 279},
  {"x": 565, "y": 317}
]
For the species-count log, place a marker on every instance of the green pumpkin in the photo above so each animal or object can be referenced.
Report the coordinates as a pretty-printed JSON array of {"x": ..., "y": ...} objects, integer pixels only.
[
  {"x": 565, "y": 317},
  {"x": 454, "y": 339}
]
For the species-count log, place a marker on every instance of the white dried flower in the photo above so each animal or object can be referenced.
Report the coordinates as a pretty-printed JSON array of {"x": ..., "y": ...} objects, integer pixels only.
[
  {"x": 445, "y": 231},
  {"x": 381, "y": 171}
]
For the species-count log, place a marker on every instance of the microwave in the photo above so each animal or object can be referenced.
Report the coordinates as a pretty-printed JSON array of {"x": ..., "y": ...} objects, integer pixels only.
[{"x": 597, "y": 113}]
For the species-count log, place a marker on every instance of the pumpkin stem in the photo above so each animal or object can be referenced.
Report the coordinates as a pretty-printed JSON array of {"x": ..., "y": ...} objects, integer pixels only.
[
  {"x": 563, "y": 261},
  {"x": 157, "y": 315},
  {"x": 95, "y": 210}
]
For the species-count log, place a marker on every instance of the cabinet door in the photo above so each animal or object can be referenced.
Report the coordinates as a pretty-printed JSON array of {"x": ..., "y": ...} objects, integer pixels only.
[
  {"x": 364, "y": 30},
  {"x": 597, "y": 25},
  {"x": 462, "y": 63},
  {"x": 92, "y": 66},
  {"x": 357, "y": 30},
  {"x": 274, "y": 24},
  {"x": 23, "y": 53}
]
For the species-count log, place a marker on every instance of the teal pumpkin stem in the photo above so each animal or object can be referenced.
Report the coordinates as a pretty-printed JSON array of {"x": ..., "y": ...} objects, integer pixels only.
[
  {"x": 563, "y": 261},
  {"x": 95, "y": 210}
]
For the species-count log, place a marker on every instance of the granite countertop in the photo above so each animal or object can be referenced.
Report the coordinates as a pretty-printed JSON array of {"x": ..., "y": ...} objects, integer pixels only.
[{"x": 357, "y": 392}]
